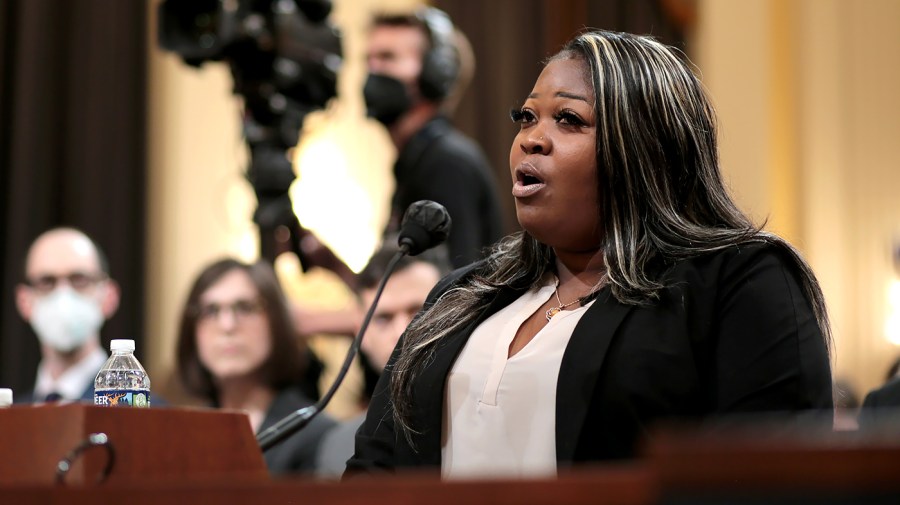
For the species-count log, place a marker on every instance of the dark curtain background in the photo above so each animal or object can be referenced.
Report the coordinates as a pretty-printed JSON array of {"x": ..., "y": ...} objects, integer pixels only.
[
  {"x": 72, "y": 122},
  {"x": 510, "y": 38}
]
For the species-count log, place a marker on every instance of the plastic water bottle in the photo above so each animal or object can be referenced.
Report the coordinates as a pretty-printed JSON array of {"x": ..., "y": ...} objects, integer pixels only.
[{"x": 122, "y": 381}]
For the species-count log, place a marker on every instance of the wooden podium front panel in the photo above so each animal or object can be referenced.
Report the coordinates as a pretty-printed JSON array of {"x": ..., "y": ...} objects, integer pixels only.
[
  {"x": 151, "y": 445},
  {"x": 600, "y": 486},
  {"x": 775, "y": 465},
  {"x": 34, "y": 439}
]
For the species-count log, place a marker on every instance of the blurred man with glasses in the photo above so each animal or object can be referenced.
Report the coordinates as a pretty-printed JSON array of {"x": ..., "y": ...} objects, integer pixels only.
[{"x": 66, "y": 296}]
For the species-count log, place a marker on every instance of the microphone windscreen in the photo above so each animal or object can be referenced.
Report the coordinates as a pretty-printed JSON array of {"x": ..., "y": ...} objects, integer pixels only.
[
  {"x": 425, "y": 225},
  {"x": 315, "y": 10}
]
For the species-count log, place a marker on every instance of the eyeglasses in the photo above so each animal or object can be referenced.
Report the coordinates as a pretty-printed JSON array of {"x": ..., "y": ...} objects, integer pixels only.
[
  {"x": 79, "y": 281},
  {"x": 240, "y": 309}
]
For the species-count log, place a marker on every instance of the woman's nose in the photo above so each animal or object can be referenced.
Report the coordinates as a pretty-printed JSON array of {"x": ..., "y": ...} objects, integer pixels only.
[
  {"x": 227, "y": 320},
  {"x": 535, "y": 144}
]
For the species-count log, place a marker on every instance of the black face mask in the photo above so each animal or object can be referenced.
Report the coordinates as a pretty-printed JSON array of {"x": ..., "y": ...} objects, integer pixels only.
[{"x": 386, "y": 98}]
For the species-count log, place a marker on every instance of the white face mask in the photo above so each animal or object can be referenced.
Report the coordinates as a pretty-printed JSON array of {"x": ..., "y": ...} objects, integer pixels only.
[{"x": 65, "y": 319}]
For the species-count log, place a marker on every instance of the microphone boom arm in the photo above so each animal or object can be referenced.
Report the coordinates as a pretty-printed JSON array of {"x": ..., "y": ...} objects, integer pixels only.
[
  {"x": 296, "y": 420},
  {"x": 425, "y": 224}
]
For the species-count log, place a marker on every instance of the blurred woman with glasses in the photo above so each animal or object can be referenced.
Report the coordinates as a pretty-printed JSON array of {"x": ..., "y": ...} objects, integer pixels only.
[{"x": 237, "y": 349}]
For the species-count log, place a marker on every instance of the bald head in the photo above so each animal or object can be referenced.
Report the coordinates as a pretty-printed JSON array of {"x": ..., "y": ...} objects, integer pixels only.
[{"x": 61, "y": 251}]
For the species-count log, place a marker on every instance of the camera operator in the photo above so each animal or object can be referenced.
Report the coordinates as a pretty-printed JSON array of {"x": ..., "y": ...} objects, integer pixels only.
[{"x": 414, "y": 65}]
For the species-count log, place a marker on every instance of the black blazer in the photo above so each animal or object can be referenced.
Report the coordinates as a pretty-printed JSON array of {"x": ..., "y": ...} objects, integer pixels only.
[
  {"x": 731, "y": 333},
  {"x": 881, "y": 408}
]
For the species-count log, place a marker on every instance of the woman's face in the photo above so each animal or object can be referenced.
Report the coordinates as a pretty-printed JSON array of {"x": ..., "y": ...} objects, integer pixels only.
[
  {"x": 553, "y": 160},
  {"x": 233, "y": 336}
]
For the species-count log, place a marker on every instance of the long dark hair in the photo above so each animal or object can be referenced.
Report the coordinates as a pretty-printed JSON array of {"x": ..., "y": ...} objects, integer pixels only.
[
  {"x": 662, "y": 197},
  {"x": 286, "y": 363}
]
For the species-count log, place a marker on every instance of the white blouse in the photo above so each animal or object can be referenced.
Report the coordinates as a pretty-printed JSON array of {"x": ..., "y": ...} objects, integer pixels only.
[{"x": 499, "y": 412}]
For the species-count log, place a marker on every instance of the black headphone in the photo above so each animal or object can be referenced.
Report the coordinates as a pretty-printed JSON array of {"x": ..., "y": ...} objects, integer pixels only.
[{"x": 440, "y": 65}]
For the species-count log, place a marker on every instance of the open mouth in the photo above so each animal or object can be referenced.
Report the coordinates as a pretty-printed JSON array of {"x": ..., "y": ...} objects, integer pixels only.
[
  {"x": 528, "y": 182},
  {"x": 527, "y": 175}
]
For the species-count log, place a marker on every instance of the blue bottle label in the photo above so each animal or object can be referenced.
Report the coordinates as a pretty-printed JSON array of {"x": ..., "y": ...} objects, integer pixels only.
[{"x": 122, "y": 398}]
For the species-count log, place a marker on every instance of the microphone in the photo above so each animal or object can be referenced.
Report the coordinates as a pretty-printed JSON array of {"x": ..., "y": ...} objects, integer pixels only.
[{"x": 425, "y": 224}]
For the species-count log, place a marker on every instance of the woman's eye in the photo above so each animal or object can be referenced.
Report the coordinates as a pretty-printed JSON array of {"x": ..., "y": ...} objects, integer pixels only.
[
  {"x": 568, "y": 118},
  {"x": 521, "y": 116}
]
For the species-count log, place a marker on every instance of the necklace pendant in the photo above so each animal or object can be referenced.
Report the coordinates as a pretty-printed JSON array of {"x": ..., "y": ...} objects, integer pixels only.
[{"x": 552, "y": 312}]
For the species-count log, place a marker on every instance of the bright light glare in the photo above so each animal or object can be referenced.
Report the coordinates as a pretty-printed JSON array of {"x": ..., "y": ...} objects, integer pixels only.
[{"x": 331, "y": 202}]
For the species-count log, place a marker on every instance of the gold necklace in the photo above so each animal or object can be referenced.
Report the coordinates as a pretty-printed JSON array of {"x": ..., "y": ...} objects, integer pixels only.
[{"x": 552, "y": 311}]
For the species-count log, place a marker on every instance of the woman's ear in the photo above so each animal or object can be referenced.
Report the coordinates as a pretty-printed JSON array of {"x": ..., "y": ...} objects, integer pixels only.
[{"x": 24, "y": 301}]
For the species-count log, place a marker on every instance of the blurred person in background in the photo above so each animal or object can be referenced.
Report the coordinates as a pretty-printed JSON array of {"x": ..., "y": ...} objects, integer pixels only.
[
  {"x": 414, "y": 64},
  {"x": 419, "y": 66},
  {"x": 238, "y": 349},
  {"x": 66, "y": 296},
  {"x": 881, "y": 407}
]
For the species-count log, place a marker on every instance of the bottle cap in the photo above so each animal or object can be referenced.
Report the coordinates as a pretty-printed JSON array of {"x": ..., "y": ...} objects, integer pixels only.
[
  {"x": 121, "y": 345},
  {"x": 5, "y": 397}
]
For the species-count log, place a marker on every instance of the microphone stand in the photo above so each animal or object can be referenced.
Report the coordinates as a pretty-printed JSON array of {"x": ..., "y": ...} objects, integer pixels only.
[{"x": 296, "y": 420}]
